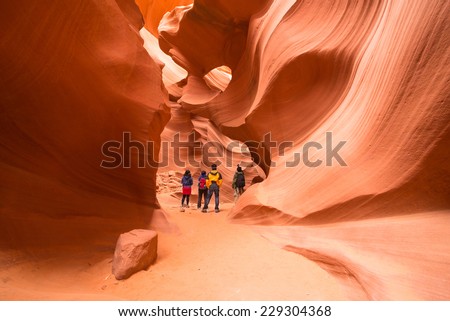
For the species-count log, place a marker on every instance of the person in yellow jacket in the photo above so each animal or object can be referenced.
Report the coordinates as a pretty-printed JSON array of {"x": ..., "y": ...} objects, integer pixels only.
[{"x": 213, "y": 182}]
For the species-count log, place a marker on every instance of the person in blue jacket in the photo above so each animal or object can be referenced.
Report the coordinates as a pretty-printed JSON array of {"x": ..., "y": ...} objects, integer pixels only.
[{"x": 187, "y": 183}]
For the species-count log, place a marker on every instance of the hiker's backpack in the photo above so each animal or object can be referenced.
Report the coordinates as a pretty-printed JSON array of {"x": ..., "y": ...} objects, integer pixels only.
[
  {"x": 202, "y": 183},
  {"x": 240, "y": 180}
]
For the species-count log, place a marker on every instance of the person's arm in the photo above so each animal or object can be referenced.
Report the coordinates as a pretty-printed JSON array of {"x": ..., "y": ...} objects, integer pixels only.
[
  {"x": 219, "y": 181},
  {"x": 208, "y": 182}
]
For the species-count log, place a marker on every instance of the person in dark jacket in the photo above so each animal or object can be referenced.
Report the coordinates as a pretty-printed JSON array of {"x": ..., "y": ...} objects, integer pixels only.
[
  {"x": 187, "y": 183},
  {"x": 238, "y": 183},
  {"x": 202, "y": 189}
]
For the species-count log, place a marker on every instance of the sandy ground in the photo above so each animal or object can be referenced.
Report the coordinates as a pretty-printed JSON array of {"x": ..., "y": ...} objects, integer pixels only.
[{"x": 207, "y": 259}]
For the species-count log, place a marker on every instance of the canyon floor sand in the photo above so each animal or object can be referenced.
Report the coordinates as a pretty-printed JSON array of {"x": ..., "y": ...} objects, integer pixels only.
[{"x": 208, "y": 258}]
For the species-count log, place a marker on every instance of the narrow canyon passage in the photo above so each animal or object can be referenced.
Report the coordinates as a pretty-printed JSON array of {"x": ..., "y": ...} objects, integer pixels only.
[{"x": 365, "y": 82}]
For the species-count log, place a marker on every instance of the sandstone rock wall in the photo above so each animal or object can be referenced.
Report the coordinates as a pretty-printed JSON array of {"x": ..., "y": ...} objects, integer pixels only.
[
  {"x": 372, "y": 74},
  {"x": 74, "y": 75}
]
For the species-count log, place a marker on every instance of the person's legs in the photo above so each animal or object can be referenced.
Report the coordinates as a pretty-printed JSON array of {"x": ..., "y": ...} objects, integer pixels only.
[
  {"x": 201, "y": 194},
  {"x": 216, "y": 194},
  {"x": 187, "y": 200},
  {"x": 208, "y": 198},
  {"x": 182, "y": 200}
]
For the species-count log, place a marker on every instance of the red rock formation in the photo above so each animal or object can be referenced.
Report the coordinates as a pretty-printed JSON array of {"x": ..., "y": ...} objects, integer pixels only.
[
  {"x": 374, "y": 75},
  {"x": 154, "y": 10},
  {"x": 135, "y": 251},
  {"x": 207, "y": 144},
  {"x": 74, "y": 76}
]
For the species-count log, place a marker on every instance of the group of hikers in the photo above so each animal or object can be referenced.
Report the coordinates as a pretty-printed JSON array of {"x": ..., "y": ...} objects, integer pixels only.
[{"x": 209, "y": 184}]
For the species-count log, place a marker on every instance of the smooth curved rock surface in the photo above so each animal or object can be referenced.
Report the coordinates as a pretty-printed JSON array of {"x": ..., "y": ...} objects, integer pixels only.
[
  {"x": 375, "y": 76},
  {"x": 74, "y": 75},
  {"x": 153, "y": 11}
]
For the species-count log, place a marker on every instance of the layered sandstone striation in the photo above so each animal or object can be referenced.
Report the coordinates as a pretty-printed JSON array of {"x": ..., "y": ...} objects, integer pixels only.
[
  {"x": 191, "y": 141},
  {"x": 370, "y": 77}
]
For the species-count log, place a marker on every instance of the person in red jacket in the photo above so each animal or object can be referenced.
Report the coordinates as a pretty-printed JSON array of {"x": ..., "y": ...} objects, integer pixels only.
[{"x": 202, "y": 189}]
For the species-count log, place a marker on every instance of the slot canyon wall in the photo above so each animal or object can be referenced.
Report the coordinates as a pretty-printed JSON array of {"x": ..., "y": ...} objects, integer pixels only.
[
  {"x": 374, "y": 74},
  {"x": 74, "y": 75}
]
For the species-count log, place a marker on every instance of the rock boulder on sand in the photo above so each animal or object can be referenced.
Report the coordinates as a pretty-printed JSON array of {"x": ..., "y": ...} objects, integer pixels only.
[{"x": 135, "y": 251}]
